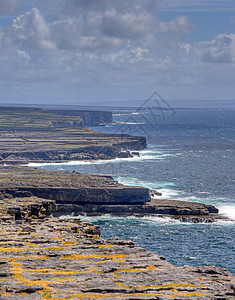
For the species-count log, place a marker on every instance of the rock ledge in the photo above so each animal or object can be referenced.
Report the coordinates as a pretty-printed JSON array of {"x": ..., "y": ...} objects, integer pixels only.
[{"x": 52, "y": 258}]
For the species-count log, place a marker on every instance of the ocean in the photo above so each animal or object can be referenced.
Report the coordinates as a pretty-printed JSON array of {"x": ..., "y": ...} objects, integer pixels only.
[{"x": 190, "y": 157}]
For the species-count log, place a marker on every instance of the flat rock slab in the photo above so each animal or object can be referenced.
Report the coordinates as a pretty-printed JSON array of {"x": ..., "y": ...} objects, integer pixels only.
[
  {"x": 176, "y": 207},
  {"x": 68, "y": 187},
  {"x": 53, "y": 258}
]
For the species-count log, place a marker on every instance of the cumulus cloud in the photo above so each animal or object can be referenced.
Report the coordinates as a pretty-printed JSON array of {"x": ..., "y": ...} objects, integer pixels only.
[
  {"x": 219, "y": 50},
  {"x": 90, "y": 25},
  {"x": 75, "y": 34},
  {"x": 8, "y": 7},
  {"x": 109, "y": 27},
  {"x": 30, "y": 31},
  {"x": 126, "y": 26},
  {"x": 181, "y": 25},
  {"x": 104, "y": 44}
]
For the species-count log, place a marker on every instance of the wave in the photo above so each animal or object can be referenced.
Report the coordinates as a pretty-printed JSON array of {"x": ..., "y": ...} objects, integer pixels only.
[
  {"x": 129, "y": 123},
  {"x": 163, "y": 187},
  {"x": 227, "y": 211},
  {"x": 143, "y": 221},
  {"x": 127, "y": 219},
  {"x": 122, "y": 114},
  {"x": 166, "y": 188},
  {"x": 139, "y": 182},
  {"x": 143, "y": 155}
]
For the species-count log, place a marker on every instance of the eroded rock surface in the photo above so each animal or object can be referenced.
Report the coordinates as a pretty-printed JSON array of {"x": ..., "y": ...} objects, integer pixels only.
[
  {"x": 68, "y": 188},
  {"x": 52, "y": 258},
  {"x": 37, "y": 135},
  {"x": 83, "y": 193}
]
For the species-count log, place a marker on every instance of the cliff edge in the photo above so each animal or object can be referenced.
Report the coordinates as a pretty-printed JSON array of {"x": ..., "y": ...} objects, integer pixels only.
[{"x": 51, "y": 258}]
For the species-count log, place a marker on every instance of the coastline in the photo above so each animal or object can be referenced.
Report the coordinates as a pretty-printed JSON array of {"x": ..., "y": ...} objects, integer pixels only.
[
  {"x": 28, "y": 195},
  {"x": 50, "y": 258},
  {"x": 60, "y": 137},
  {"x": 78, "y": 192}
]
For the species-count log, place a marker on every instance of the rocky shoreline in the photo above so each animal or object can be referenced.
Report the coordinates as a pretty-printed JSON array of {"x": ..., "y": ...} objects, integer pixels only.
[
  {"x": 50, "y": 258},
  {"x": 35, "y": 135},
  {"x": 43, "y": 257},
  {"x": 91, "y": 194}
]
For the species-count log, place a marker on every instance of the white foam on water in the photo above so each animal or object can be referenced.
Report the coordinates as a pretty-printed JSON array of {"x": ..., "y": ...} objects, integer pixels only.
[
  {"x": 130, "y": 123},
  {"x": 163, "y": 187},
  {"x": 105, "y": 217},
  {"x": 108, "y": 217},
  {"x": 160, "y": 219},
  {"x": 147, "y": 184},
  {"x": 168, "y": 194},
  {"x": 143, "y": 155},
  {"x": 153, "y": 220},
  {"x": 122, "y": 114},
  {"x": 227, "y": 211}
]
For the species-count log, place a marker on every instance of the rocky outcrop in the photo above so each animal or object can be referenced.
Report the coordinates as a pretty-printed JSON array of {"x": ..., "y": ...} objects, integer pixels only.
[
  {"x": 69, "y": 188},
  {"x": 83, "y": 196},
  {"x": 174, "y": 207},
  {"x": 82, "y": 193},
  {"x": 51, "y": 258},
  {"x": 184, "y": 212}
]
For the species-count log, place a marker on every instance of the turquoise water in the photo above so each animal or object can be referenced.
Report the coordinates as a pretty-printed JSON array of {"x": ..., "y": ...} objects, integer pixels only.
[{"x": 190, "y": 157}]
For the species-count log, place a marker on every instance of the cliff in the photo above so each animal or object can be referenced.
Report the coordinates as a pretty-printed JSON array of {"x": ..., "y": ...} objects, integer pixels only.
[
  {"x": 82, "y": 193},
  {"x": 51, "y": 258},
  {"x": 30, "y": 134},
  {"x": 89, "y": 117},
  {"x": 68, "y": 188}
]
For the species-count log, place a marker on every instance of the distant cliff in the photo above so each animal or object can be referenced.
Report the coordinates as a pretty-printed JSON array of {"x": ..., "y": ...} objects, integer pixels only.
[
  {"x": 89, "y": 117},
  {"x": 17, "y": 115}
]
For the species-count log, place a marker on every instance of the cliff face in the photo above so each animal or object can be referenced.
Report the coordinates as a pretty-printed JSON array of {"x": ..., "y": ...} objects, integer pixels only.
[
  {"x": 90, "y": 117},
  {"x": 85, "y": 147},
  {"x": 69, "y": 188},
  {"x": 82, "y": 196},
  {"x": 29, "y": 134},
  {"x": 76, "y": 193}
]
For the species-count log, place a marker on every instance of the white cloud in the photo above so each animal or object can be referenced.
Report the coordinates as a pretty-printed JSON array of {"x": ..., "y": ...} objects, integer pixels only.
[
  {"x": 126, "y": 26},
  {"x": 219, "y": 50},
  {"x": 31, "y": 31},
  {"x": 107, "y": 46},
  {"x": 181, "y": 25},
  {"x": 75, "y": 34}
]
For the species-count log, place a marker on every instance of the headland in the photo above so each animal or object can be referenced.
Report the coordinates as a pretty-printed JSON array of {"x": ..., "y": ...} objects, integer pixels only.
[{"x": 44, "y": 257}]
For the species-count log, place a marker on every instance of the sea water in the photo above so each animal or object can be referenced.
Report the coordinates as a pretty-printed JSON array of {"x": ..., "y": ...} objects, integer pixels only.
[{"x": 190, "y": 157}]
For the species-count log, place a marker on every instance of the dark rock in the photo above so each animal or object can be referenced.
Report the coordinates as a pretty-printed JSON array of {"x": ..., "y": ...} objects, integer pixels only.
[
  {"x": 135, "y": 153},
  {"x": 15, "y": 211}
]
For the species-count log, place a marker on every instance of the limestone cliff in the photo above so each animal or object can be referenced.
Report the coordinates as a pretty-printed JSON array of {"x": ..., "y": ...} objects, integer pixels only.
[
  {"x": 51, "y": 258},
  {"x": 89, "y": 117}
]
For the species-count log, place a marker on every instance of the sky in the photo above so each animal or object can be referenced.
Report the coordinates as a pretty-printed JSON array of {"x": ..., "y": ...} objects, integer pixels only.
[{"x": 82, "y": 51}]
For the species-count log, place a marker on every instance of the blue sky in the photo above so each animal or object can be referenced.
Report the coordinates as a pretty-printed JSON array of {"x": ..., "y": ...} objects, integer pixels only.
[{"x": 80, "y": 51}]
